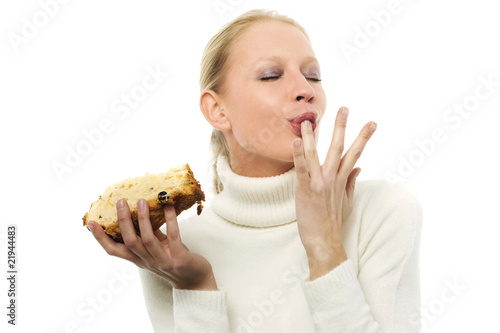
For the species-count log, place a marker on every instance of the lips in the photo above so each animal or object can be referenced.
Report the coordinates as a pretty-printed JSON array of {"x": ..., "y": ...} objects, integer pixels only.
[{"x": 295, "y": 122}]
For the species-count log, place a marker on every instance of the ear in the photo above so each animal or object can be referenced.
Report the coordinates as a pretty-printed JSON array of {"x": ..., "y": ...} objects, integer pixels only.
[{"x": 213, "y": 111}]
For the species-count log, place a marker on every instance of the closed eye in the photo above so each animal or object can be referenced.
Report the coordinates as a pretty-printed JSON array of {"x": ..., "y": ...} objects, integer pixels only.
[
  {"x": 269, "y": 78},
  {"x": 275, "y": 77}
]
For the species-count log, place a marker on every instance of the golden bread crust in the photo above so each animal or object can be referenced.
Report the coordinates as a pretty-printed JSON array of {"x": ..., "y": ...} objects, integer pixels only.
[{"x": 176, "y": 187}]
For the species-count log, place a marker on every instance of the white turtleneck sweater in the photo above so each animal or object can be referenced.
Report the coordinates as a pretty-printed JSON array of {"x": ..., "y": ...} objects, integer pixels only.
[{"x": 249, "y": 235}]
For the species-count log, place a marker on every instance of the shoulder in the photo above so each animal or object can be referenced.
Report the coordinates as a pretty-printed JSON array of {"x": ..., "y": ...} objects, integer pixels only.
[
  {"x": 390, "y": 215},
  {"x": 380, "y": 195},
  {"x": 384, "y": 189}
]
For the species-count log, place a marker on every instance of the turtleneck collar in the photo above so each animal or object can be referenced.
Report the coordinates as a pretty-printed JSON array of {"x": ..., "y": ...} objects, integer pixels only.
[{"x": 255, "y": 201}]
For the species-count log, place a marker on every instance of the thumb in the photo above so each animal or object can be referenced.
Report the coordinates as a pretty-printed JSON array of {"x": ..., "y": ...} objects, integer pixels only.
[
  {"x": 351, "y": 182},
  {"x": 349, "y": 193}
]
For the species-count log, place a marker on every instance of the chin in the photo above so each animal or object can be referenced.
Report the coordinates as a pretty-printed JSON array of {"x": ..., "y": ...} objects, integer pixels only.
[{"x": 283, "y": 153}]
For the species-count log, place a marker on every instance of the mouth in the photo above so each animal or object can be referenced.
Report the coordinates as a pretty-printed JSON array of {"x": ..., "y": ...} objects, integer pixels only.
[{"x": 297, "y": 121}]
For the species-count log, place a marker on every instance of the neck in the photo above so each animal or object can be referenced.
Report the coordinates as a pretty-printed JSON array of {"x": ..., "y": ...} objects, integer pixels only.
[
  {"x": 254, "y": 201},
  {"x": 249, "y": 164},
  {"x": 252, "y": 165}
]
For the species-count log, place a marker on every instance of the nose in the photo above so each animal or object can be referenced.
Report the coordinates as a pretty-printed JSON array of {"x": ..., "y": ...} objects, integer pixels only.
[{"x": 302, "y": 90}]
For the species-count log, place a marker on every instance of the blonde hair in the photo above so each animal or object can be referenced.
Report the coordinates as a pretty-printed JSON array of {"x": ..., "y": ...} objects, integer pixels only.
[{"x": 214, "y": 67}]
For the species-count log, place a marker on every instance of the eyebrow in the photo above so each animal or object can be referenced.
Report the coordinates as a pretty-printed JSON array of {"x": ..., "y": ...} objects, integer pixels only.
[{"x": 308, "y": 59}]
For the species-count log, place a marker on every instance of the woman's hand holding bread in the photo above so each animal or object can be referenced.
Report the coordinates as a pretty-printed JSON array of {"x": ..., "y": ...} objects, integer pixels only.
[
  {"x": 162, "y": 254},
  {"x": 126, "y": 221}
]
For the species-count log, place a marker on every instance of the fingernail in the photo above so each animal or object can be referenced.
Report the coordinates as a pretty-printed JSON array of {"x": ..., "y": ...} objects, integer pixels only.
[
  {"x": 373, "y": 126},
  {"x": 345, "y": 112},
  {"x": 120, "y": 204},
  {"x": 90, "y": 226},
  {"x": 306, "y": 123},
  {"x": 297, "y": 142},
  {"x": 168, "y": 208},
  {"x": 140, "y": 203}
]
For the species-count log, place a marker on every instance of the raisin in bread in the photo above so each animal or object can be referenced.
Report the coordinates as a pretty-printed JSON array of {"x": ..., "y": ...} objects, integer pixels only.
[{"x": 176, "y": 187}]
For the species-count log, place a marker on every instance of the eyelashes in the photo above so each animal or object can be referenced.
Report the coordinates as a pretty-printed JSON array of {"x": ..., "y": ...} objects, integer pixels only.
[
  {"x": 273, "y": 78},
  {"x": 276, "y": 76},
  {"x": 270, "y": 78}
]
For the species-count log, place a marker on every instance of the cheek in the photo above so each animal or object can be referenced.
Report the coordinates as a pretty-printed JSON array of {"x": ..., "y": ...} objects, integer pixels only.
[
  {"x": 321, "y": 100},
  {"x": 253, "y": 132},
  {"x": 255, "y": 118},
  {"x": 269, "y": 137}
]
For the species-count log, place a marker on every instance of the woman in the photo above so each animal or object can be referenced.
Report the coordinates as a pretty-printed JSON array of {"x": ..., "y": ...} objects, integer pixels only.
[{"x": 286, "y": 244}]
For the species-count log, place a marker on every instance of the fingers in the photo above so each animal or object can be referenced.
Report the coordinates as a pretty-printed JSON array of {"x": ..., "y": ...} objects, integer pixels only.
[
  {"x": 125, "y": 222},
  {"x": 129, "y": 235},
  {"x": 310, "y": 153},
  {"x": 300, "y": 163},
  {"x": 149, "y": 239},
  {"x": 110, "y": 246},
  {"x": 354, "y": 153},
  {"x": 351, "y": 183},
  {"x": 335, "y": 165},
  {"x": 334, "y": 155},
  {"x": 305, "y": 156},
  {"x": 160, "y": 235},
  {"x": 173, "y": 235},
  {"x": 146, "y": 250}
]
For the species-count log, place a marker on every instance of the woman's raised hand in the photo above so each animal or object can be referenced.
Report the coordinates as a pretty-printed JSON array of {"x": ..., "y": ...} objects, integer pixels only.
[
  {"x": 324, "y": 193},
  {"x": 162, "y": 254}
]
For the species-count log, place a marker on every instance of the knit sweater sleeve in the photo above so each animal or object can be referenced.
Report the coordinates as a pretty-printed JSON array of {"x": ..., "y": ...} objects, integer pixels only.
[
  {"x": 384, "y": 295},
  {"x": 174, "y": 310}
]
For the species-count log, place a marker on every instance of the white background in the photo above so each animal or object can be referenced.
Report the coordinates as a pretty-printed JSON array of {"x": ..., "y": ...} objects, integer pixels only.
[{"x": 65, "y": 78}]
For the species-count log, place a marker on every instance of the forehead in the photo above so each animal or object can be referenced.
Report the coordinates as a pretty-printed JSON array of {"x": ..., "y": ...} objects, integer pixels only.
[{"x": 269, "y": 39}]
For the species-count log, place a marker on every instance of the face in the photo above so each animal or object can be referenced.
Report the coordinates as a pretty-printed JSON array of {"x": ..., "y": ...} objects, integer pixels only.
[{"x": 272, "y": 84}]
